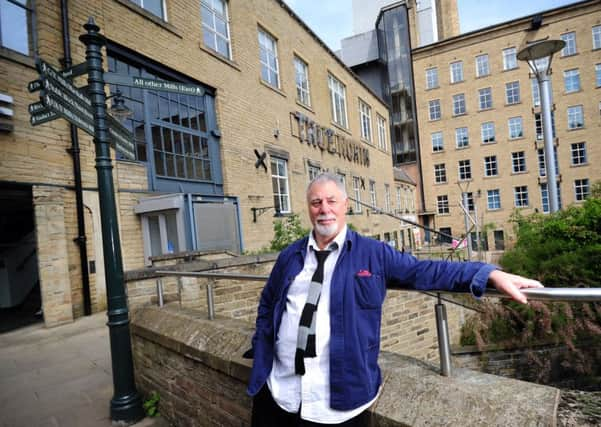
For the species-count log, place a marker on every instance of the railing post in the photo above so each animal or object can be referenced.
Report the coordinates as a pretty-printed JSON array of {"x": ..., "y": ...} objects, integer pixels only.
[
  {"x": 160, "y": 292},
  {"x": 210, "y": 302},
  {"x": 444, "y": 348}
]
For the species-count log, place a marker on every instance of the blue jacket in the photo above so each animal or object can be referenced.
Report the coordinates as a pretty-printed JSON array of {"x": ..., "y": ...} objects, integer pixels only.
[{"x": 355, "y": 309}]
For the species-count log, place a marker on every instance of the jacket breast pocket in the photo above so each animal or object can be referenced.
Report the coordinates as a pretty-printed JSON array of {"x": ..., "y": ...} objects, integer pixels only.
[{"x": 369, "y": 291}]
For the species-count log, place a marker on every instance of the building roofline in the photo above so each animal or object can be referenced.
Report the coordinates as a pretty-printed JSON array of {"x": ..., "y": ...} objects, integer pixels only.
[
  {"x": 505, "y": 24},
  {"x": 328, "y": 50}
]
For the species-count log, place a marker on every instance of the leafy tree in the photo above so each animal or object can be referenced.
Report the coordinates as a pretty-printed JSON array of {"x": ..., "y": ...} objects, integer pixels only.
[
  {"x": 562, "y": 249},
  {"x": 287, "y": 231}
]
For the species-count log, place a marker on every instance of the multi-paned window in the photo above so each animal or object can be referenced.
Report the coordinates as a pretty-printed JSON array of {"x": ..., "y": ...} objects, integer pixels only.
[
  {"x": 578, "y": 153},
  {"x": 387, "y": 197},
  {"x": 382, "y": 144},
  {"x": 440, "y": 173},
  {"x": 485, "y": 98},
  {"x": 518, "y": 162},
  {"x": 597, "y": 37},
  {"x": 535, "y": 92},
  {"x": 357, "y": 193},
  {"x": 490, "y": 166},
  {"x": 301, "y": 73},
  {"x": 581, "y": 189},
  {"x": 575, "y": 117},
  {"x": 437, "y": 141},
  {"x": 442, "y": 204},
  {"x": 487, "y": 131},
  {"x": 215, "y": 26},
  {"x": 598, "y": 75},
  {"x": 520, "y": 196},
  {"x": 571, "y": 80},
  {"x": 482, "y": 67},
  {"x": 279, "y": 184},
  {"x": 538, "y": 125},
  {"x": 153, "y": 6},
  {"x": 514, "y": 125},
  {"x": 313, "y": 171},
  {"x": 338, "y": 100},
  {"x": 431, "y": 78},
  {"x": 544, "y": 195},
  {"x": 465, "y": 170},
  {"x": 493, "y": 199},
  {"x": 398, "y": 199},
  {"x": 462, "y": 138},
  {"x": 268, "y": 54},
  {"x": 372, "y": 193},
  {"x": 470, "y": 201},
  {"x": 365, "y": 120},
  {"x": 434, "y": 109},
  {"x": 16, "y": 26},
  {"x": 457, "y": 72},
  {"x": 570, "y": 41},
  {"x": 512, "y": 93},
  {"x": 510, "y": 60},
  {"x": 542, "y": 166},
  {"x": 459, "y": 104}
]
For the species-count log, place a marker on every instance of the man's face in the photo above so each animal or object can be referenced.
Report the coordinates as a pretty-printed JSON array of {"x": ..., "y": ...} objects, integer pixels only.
[{"x": 327, "y": 209}]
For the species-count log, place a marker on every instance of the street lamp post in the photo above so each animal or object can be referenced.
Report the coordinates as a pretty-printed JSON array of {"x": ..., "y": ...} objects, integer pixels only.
[{"x": 539, "y": 54}]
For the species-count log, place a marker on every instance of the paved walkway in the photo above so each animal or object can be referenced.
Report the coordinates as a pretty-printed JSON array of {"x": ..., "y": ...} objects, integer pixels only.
[{"x": 59, "y": 376}]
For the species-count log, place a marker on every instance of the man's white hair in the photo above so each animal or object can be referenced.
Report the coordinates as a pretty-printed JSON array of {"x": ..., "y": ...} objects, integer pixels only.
[{"x": 327, "y": 177}]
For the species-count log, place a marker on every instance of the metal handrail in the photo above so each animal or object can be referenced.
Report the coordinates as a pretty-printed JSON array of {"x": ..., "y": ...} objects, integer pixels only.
[{"x": 442, "y": 330}]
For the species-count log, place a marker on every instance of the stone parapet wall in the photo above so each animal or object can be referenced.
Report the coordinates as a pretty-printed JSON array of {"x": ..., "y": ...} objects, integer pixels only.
[{"x": 196, "y": 366}]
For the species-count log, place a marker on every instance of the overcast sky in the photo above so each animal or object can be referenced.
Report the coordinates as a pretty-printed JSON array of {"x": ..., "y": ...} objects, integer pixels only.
[{"x": 332, "y": 20}]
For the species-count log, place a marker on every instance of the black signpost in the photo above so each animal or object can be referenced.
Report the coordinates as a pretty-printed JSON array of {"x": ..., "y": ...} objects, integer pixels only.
[{"x": 61, "y": 99}]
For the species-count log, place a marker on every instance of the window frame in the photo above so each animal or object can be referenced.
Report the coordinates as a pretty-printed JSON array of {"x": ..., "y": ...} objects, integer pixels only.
[
  {"x": 442, "y": 204},
  {"x": 459, "y": 105},
  {"x": 575, "y": 112},
  {"x": 512, "y": 93},
  {"x": 263, "y": 34},
  {"x": 570, "y": 47},
  {"x": 301, "y": 71},
  {"x": 338, "y": 102},
  {"x": 373, "y": 196},
  {"x": 440, "y": 173},
  {"x": 510, "y": 60},
  {"x": 515, "y": 124},
  {"x": 464, "y": 170},
  {"x": 520, "y": 196},
  {"x": 456, "y": 72},
  {"x": 462, "y": 137},
  {"x": 278, "y": 196},
  {"x": 225, "y": 18},
  {"x": 365, "y": 121},
  {"x": 432, "y": 81},
  {"x": 493, "y": 199},
  {"x": 598, "y": 75},
  {"x": 357, "y": 194},
  {"x": 571, "y": 80},
  {"x": 485, "y": 137},
  {"x": 437, "y": 140},
  {"x": 381, "y": 124},
  {"x": 30, "y": 30},
  {"x": 596, "y": 36},
  {"x": 485, "y": 98},
  {"x": 518, "y": 162},
  {"x": 582, "y": 189},
  {"x": 482, "y": 67},
  {"x": 578, "y": 154},
  {"x": 434, "y": 110},
  {"x": 491, "y": 166}
]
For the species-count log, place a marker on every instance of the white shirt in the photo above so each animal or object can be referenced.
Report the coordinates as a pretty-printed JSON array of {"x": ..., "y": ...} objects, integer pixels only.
[{"x": 312, "y": 389}]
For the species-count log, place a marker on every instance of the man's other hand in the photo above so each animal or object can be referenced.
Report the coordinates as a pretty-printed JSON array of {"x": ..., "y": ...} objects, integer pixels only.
[{"x": 511, "y": 284}]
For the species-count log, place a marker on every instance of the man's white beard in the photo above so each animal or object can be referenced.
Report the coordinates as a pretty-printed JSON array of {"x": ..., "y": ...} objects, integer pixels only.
[{"x": 325, "y": 230}]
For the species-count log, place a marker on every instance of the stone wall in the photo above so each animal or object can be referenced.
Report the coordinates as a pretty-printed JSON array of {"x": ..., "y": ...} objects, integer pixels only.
[
  {"x": 408, "y": 318},
  {"x": 196, "y": 367}
]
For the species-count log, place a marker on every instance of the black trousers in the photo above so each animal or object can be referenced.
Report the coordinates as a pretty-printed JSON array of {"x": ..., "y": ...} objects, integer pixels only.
[{"x": 267, "y": 413}]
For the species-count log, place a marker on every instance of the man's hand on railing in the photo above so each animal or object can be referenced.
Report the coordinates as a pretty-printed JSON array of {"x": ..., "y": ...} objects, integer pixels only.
[{"x": 511, "y": 284}]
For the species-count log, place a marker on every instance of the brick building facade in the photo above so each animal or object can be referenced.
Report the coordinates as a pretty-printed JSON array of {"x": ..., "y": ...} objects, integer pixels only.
[
  {"x": 480, "y": 119},
  {"x": 277, "y": 106}
]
